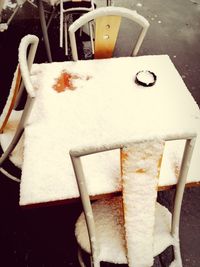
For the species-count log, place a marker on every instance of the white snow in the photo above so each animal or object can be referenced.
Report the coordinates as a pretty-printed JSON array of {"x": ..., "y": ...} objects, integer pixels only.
[
  {"x": 174, "y": 263},
  {"x": 105, "y": 108},
  {"x": 139, "y": 4},
  {"x": 140, "y": 168},
  {"x": 110, "y": 233},
  {"x": 147, "y": 230},
  {"x": 145, "y": 77}
]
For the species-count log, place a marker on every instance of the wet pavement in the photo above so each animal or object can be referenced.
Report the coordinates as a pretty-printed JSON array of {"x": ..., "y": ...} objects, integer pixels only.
[{"x": 44, "y": 236}]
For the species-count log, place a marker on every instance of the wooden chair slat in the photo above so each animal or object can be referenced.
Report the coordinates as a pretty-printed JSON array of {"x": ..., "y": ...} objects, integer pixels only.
[{"x": 106, "y": 33}]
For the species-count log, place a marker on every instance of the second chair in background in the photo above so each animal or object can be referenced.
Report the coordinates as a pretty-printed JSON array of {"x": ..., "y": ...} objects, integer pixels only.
[
  {"x": 107, "y": 21},
  {"x": 68, "y": 7}
]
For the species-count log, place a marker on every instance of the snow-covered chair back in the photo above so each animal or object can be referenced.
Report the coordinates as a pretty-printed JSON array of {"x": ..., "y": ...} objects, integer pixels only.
[
  {"x": 107, "y": 21},
  {"x": 140, "y": 172},
  {"x": 148, "y": 227},
  {"x": 12, "y": 121}
]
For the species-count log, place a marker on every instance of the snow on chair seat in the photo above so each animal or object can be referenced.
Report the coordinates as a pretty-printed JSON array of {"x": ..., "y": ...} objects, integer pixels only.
[{"x": 108, "y": 217}]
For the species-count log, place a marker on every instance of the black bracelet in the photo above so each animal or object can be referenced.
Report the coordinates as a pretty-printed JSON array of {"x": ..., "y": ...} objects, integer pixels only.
[{"x": 140, "y": 82}]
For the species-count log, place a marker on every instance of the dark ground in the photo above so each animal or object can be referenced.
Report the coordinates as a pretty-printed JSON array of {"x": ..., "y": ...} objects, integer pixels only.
[{"x": 44, "y": 236}]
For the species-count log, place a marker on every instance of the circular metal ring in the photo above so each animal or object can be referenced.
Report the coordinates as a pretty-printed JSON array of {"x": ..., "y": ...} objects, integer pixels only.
[{"x": 141, "y": 82}]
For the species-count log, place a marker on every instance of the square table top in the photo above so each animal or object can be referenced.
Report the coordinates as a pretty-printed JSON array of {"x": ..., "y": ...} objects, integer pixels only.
[{"x": 100, "y": 104}]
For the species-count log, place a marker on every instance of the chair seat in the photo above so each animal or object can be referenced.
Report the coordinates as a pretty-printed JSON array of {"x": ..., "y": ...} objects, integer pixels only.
[
  {"x": 108, "y": 216},
  {"x": 6, "y": 137}
]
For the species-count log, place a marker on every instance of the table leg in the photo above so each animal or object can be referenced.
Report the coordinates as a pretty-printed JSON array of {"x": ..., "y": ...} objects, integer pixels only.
[{"x": 44, "y": 30}]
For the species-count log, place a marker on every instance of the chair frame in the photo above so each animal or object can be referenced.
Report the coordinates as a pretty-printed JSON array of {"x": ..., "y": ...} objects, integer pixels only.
[
  {"x": 25, "y": 64},
  {"x": 108, "y": 11},
  {"x": 63, "y": 19},
  {"x": 75, "y": 155}
]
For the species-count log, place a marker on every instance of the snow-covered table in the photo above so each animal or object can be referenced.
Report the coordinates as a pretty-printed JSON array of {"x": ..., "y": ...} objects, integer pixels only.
[{"x": 101, "y": 103}]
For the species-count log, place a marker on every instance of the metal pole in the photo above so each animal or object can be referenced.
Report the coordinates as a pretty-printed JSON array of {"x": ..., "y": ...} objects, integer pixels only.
[{"x": 44, "y": 30}]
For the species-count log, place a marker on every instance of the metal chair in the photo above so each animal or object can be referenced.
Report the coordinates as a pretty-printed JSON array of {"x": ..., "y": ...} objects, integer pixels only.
[
  {"x": 68, "y": 7},
  {"x": 107, "y": 21},
  {"x": 134, "y": 228},
  {"x": 12, "y": 121}
]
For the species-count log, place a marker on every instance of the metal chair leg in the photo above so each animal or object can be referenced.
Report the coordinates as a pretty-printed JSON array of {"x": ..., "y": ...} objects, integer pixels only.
[
  {"x": 61, "y": 23},
  {"x": 80, "y": 258},
  {"x": 66, "y": 37},
  {"x": 51, "y": 17},
  {"x": 44, "y": 29},
  {"x": 91, "y": 36},
  {"x": 177, "y": 255}
]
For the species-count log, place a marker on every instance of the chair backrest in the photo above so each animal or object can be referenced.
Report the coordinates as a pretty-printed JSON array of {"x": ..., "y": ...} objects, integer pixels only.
[
  {"x": 140, "y": 164},
  {"x": 21, "y": 79},
  {"x": 107, "y": 21},
  {"x": 71, "y": 7}
]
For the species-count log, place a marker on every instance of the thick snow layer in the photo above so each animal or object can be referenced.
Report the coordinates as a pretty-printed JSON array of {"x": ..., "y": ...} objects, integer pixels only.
[
  {"x": 108, "y": 106},
  {"x": 140, "y": 168},
  {"x": 110, "y": 233}
]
